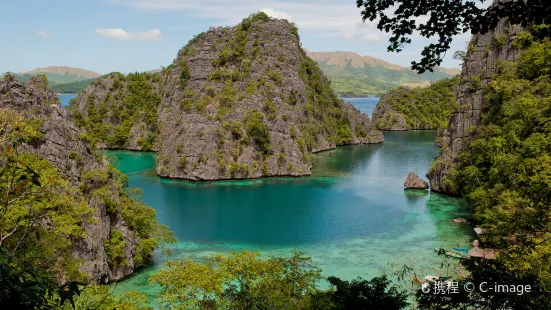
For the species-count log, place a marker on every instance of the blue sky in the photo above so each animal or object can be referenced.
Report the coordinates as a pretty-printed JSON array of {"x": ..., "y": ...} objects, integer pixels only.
[{"x": 138, "y": 35}]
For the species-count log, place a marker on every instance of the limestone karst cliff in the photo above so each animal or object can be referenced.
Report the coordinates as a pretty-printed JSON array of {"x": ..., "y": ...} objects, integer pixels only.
[
  {"x": 484, "y": 55},
  {"x": 239, "y": 102},
  {"x": 113, "y": 245},
  {"x": 405, "y": 108}
]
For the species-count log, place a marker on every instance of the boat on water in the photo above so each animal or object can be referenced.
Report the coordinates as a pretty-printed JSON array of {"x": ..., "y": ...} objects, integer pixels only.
[
  {"x": 462, "y": 250},
  {"x": 453, "y": 253}
]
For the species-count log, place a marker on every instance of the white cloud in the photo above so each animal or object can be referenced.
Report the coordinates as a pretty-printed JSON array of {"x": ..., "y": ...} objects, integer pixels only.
[
  {"x": 153, "y": 35},
  {"x": 371, "y": 38},
  {"x": 278, "y": 14},
  {"x": 339, "y": 35},
  {"x": 336, "y": 20},
  {"x": 43, "y": 34},
  {"x": 321, "y": 15}
]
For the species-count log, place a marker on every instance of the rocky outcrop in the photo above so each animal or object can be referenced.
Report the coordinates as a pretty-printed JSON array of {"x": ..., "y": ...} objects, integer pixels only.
[
  {"x": 416, "y": 108},
  {"x": 240, "y": 102},
  {"x": 64, "y": 147},
  {"x": 484, "y": 55},
  {"x": 385, "y": 118},
  {"x": 413, "y": 181}
]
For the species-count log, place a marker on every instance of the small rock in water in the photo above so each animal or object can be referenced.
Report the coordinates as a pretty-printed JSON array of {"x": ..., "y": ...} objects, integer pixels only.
[
  {"x": 461, "y": 220},
  {"x": 415, "y": 182}
]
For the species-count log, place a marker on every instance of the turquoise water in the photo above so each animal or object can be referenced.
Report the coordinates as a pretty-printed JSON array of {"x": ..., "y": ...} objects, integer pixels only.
[
  {"x": 352, "y": 216},
  {"x": 365, "y": 104},
  {"x": 65, "y": 99}
]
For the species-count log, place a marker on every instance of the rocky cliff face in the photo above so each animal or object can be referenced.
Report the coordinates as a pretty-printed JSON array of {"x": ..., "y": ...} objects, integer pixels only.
[
  {"x": 64, "y": 147},
  {"x": 385, "y": 117},
  {"x": 241, "y": 102},
  {"x": 416, "y": 108},
  {"x": 484, "y": 55}
]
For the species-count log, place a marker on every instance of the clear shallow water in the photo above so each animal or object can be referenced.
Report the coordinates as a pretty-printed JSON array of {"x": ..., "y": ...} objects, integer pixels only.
[
  {"x": 352, "y": 216},
  {"x": 364, "y": 104},
  {"x": 65, "y": 99}
]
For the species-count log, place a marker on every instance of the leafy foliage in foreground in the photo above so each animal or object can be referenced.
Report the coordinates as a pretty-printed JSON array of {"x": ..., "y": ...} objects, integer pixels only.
[
  {"x": 239, "y": 280},
  {"x": 42, "y": 213},
  {"x": 445, "y": 19},
  {"x": 505, "y": 172},
  {"x": 243, "y": 280},
  {"x": 485, "y": 275}
]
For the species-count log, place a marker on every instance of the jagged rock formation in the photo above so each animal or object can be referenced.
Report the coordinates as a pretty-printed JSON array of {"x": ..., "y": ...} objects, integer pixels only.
[
  {"x": 121, "y": 111},
  {"x": 484, "y": 54},
  {"x": 413, "y": 181},
  {"x": 385, "y": 117},
  {"x": 65, "y": 148},
  {"x": 416, "y": 108},
  {"x": 241, "y": 102}
]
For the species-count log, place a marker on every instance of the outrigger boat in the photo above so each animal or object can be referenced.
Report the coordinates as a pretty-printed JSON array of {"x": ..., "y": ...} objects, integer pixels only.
[
  {"x": 459, "y": 253},
  {"x": 462, "y": 250}
]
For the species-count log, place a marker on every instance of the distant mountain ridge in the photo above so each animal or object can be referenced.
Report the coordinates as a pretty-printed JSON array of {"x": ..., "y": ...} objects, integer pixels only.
[
  {"x": 63, "y": 70},
  {"x": 62, "y": 79},
  {"x": 343, "y": 59},
  {"x": 353, "y": 75}
]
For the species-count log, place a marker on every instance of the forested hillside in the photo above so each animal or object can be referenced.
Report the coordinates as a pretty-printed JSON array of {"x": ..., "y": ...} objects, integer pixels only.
[
  {"x": 352, "y": 75},
  {"x": 406, "y": 108}
]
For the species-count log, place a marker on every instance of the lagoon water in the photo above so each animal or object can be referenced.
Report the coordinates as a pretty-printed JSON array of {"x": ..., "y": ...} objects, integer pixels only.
[
  {"x": 352, "y": 216},
  {"x": 65, "y": 99},
  {"x": 364, "y": 104}
]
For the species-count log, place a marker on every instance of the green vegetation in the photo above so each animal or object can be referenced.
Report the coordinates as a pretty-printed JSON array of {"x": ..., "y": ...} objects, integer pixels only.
[
  {"x": 73, "y": 87},
  {"x": 54, "y": 78},
  {"x": 322, "y": 104},
  {"x": 42, "y": 213},
  {"x": 184, "y": 73},
  {"x": 114, "y": 249},
  {"x": 131, "y": 100},
  {"x": 258, "y": 131},
  {"x": 370, "y": 80},
  {"x": 422, "y": 108},
  {"x": 245, "y": 281},
  {"x": 439, "y": 12},
  {"x": 504, "y": 172}
]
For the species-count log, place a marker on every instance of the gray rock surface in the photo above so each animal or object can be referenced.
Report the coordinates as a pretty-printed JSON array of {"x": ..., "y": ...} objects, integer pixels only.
[
  {"x": 202, "y": 123},
  {"x": 385, "y": 118},
  {"x": 73, "y": 156},
  {"x": 413, "y": 181},
  {"x": 482, "y": 60}
]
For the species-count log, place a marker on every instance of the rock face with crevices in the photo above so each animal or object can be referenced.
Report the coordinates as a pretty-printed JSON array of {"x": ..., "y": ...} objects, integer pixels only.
[
  {"x": 405, "y": 108},
  {"x": 413, "y": 181},
  {"x": 64, "y": 147},
  {"x": 483, "y": 57},
  {"x": 236, "y": 103}
]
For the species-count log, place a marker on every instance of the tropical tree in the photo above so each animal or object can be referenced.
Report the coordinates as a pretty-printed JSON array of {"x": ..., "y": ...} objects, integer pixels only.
[
  {"x": 39, "y": 213},
  {"x": 237, "y": 281},
  {"x": 443, "y": 19}
]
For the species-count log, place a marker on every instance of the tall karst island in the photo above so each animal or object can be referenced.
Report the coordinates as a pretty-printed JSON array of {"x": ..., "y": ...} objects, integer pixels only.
[
  {"x": 240, "y": 102},
  {"x": 91, "y": 227}
]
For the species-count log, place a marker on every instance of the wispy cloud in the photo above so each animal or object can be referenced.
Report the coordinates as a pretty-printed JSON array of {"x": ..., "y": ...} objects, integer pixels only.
[
  {"x": 339, "y": 20},
  {"x": 371, "y": 38},
  {"x": 153, "y": 35},
  {"x": 43, "y": 34},
  {"x": 326, "y": 19}
]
